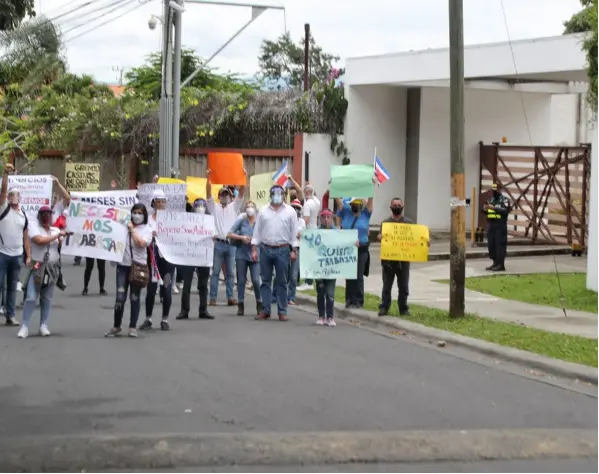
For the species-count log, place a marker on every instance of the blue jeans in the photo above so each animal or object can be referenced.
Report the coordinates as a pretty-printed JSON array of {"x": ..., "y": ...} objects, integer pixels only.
[
  {"x": 122, "y": 287},
  {"x": 274, "y": 259},
  {"x": 10, "y": 268},
  {"x": 223, "y": 253},
  {"x": 325, "y": 298},
  {"x": 242, "y": 267},
  {"x": 293, "y": 278},
  {"x": 32, "y": 294}
]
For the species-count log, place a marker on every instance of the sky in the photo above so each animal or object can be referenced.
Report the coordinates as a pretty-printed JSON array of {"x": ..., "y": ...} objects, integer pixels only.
[{"x": 347, "y": 28}]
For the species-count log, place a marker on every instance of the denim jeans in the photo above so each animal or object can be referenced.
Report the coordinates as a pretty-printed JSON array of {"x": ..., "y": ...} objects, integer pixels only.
[
  {"x": 187, "y": 275},
  {"x": 293, "y": 278},
  {"x": 122, "y": 287},
  {"x": 32, "y": 294},
  {"x": 242, "y": 267},
  {"x": 166, "y": 271},
  {"x": 274, "y": 259},
  {"x": 325, "y": 297},
  {"x": 224, "y": 253},
  {"x": 354, "y": 289},
  {"x": 10, "y": 268}
]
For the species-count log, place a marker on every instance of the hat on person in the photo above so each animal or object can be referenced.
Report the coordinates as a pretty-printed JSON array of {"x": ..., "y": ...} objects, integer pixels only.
[
  {"x": 326, "y": 213},
  {"x": 199, "y": 202},
  {"x": 494, "y": 186},
  {"x": 158, "y": 194},
  {"x": 45, "y": 209},
  {"x": 13, "y": 190},
  {"x": 356, "y": 200},
  {"x": 296, "y": 203}
]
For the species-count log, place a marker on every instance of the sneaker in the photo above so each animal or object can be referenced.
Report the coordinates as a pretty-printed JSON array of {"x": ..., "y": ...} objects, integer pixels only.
[
  {"x": 182, "y": 315},
  {"x": 44, "y": 331},
  {"x": 132, "y": 332},
  {"x": 331, "y": 322},
  {"x": 11, "y": 321},
  {"x": 147, "y": 324},
  {"x": 164, "y": 325},
  {"x": 175, "y": 289},
  {"x": 320, "y": 322},
  {"x": 103, "y": 292},
  {"x": 84, "y": 292},
  {"x": 19, "y": 287},
  {"x": 23, "y": 332},
  {"x": 180, "y": 285},
  {"x": 113, "y": 332},
  {"x": 2, "y": 310}
]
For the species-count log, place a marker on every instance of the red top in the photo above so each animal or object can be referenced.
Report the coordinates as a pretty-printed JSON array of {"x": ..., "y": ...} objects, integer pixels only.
[{"x": 325, "y": 201}]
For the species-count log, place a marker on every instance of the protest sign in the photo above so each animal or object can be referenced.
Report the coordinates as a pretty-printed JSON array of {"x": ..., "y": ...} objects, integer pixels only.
[
  {"x": 175, "y": 195},
  {"x": 260, "y": 185},
  {"x": 352, "y": 180},
  {"x": 227, "y": 168},
  {"x": 329, "y": 254},
  {"x": 196, "y": 189},
  {"x": 404, "y": 242},
  {"x": 123, "y": 199},
  {"x": 96, "y": 231},
  {"x": 82, "y": 176},
  {"x": 185, "y": 238},
  {"x": 36, "y": 191}
]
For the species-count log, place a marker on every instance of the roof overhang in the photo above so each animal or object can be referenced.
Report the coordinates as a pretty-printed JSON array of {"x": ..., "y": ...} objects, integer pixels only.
[{"x": 553, "y": 65}]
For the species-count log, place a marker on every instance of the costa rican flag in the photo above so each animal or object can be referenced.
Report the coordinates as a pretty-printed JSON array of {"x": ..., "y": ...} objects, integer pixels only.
[
  {"x": 380, "y": 173},
  {"x": 280, "y": 177}
]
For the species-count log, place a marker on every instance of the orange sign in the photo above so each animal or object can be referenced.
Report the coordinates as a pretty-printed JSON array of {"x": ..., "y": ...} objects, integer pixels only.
[{"x": 227, "y": 168}]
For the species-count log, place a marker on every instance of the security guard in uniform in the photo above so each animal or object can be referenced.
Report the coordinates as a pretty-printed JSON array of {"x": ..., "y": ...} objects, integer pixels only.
[{"x": 497, "y": 210}]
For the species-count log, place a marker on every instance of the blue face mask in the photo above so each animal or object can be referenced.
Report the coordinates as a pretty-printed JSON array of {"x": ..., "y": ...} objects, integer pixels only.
[{"x": 276, "y": 198}]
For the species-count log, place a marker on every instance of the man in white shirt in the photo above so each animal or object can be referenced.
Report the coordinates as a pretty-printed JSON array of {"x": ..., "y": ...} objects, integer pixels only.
[
  {"x": 225, "y": 214},
  {"x": 275, "y": 232},
  {"x": 14, "y": 240},
  {"x": 310, "y": 211}
]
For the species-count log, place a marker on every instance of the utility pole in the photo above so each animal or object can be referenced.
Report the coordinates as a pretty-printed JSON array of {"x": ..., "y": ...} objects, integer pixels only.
[
  {"x": 178, "y": 17},
  {"x": 457, "y": 248},
  {"x": 121, "y": 71},
  {"x": 306, "y": 57},
  {"x": 166, "y": 100}
]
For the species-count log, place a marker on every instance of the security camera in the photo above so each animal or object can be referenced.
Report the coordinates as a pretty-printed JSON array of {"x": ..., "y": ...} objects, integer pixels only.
[
  {"x": 152, "y": 22},
  {"x": 175, "y": 6}
]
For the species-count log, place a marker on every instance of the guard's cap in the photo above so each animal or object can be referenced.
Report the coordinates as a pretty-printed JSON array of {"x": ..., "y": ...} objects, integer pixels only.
[{"x": 494, "y": 186}]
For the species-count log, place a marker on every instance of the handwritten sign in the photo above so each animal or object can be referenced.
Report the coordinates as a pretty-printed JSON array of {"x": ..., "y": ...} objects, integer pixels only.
[
  {"x": 175, "y": 195},
  {"x": 329, "y": 254},
  {"x": 404, "y": 242},
  {"x": 260, "y": 185},
  {"x": 82, "y": 176},
  {"x": 124, "y": 199},
  {"x": 36, "y": 191},
  {"x": 185, "y": 238},
  {"x": 96, "y": 231}
]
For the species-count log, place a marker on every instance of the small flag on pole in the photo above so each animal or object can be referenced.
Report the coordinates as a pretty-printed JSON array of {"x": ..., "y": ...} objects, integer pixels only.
[
  {"x": 380, "y": 173},
  {"x": 280, "y": 177}
]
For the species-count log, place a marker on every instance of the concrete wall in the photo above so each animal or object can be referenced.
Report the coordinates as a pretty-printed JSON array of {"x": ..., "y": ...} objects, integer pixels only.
[
  {"x": 593, "y": 255},
  {"x": 376, "y": 117},
  {"x": 318, "y": 145},
  {"x": 489, "y": 116},
  {"x": 570, "y": 123}
]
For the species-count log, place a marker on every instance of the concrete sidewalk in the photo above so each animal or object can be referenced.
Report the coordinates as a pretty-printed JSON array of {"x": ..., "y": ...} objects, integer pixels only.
[{"x": 425, "y": 291}]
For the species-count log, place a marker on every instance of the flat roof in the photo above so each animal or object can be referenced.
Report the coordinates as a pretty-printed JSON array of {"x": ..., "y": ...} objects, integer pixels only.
[{"x": 555, "y": 58}]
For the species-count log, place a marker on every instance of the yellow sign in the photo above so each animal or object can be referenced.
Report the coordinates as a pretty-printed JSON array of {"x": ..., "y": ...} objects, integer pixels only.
[
  {"x": 82, "y": 177},
  {"x": 196, "y": 189},
  {"x": 260, "y": 185},
  {"x": 404, "y": 242},
  {"x": 170, "y": 181}
]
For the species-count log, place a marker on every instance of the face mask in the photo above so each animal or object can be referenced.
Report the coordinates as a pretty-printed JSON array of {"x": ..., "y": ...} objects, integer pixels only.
[
  {"x": 276, "y": 199},
  {"x": 355, "y": 208},
  {"x": 250, "y": 211},
  {"x": 200, "y": 210},
  {"x": 495, "y": 193},
  {"x": 137, "y": 218},
  {"x": 396, "y": 210},
  {"x": 15, "y": 199}
]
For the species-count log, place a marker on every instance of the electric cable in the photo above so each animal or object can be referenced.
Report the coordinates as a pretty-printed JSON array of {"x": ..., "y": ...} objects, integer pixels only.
[{"x": 116, "y": 6}]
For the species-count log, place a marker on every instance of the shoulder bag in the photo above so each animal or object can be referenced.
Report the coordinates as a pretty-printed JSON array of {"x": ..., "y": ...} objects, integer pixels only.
[{"x": 140, "y": 273}]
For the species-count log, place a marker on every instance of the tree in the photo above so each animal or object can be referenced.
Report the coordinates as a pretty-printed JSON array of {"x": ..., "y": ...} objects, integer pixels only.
[
  {"x": 585, "y": 21},
  {"x": 12, "y": 13},
  {"x": 146, "y": 79},
  {"x": 283, "y": 60}
]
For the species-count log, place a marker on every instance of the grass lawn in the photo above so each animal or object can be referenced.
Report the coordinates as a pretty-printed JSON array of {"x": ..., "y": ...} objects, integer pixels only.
[
  {"x": 575, "y": 349},
  {"x": 538, "y": 288}
]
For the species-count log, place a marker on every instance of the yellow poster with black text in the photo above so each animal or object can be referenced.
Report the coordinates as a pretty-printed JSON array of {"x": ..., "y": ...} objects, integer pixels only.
[
  {"x": 82, "y": 177},
  {"x": 404, "y": 242}
]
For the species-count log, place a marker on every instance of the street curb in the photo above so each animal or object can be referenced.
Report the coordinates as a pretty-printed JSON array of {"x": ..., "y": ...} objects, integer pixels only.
[
  {"x": 478, "y": 254},
  {"x": 529, "y": 359},
  {"x": 158, "y": 451}
]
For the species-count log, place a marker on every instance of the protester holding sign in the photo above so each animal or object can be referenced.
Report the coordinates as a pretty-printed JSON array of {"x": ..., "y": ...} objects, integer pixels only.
[
  {"x": 162, "y": 271},
  {"x": 133, "y": 272},
  {"x": 325, "y": 288},
  {"x": 241, "y": 234}
]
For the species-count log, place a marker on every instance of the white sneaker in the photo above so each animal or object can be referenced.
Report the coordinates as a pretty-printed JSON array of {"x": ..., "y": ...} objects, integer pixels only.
[
  {"x": 23, "y": 332},
  {"x": 331, "y": 322},
  {"x": 304, "y": 287},
  {"x": 175, "y": 289},
  {"x": 1, "y": 309},
  {"x": 19, "y": 287},
  {"x": 44, "y": 331},
  {"x": 320, "y": 322},
  {"x": 180, "y": 285}
]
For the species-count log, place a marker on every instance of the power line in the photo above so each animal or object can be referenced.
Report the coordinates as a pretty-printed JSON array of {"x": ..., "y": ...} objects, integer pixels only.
[{"x": 116, "y": 5}]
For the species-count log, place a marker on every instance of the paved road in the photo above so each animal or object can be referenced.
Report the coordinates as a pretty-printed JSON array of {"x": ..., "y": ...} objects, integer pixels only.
[{"x": 238, "y": 375}]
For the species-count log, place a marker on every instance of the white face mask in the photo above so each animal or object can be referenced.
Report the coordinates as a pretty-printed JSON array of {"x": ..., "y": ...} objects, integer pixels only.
[
  {"x": 137, "y": 218},
  {"x": 276, "y": 199},
  {"x": 200, "y": 210},
  {"x": 15, "y": 198},
  {"x": 250, "y": 211}
]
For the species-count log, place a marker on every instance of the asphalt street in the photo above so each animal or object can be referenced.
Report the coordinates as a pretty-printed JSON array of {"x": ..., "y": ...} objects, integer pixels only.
[{"x": 235, "y": 374}]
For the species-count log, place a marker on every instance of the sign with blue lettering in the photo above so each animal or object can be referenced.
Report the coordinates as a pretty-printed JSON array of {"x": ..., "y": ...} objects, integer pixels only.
[{"x": 329, "y": 254}]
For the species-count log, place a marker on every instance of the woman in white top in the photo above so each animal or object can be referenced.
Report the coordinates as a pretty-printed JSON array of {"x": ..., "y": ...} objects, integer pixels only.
[
  {"x": 136, "y": 250},
  {"x": 44, "y": 270}
]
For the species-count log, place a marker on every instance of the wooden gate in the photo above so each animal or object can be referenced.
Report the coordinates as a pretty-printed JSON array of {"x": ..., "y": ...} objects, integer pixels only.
[{"x": 548, "y": 188}]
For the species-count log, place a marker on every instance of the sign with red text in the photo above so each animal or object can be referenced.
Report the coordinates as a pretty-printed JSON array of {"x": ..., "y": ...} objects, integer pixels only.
[
  {"x": 96, "y": 231},
  {"x": 35, "y": 190},
  {"x": 185, "y": 238}
]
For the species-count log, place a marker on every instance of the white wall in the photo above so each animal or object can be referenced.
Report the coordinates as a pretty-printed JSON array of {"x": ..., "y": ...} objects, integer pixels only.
[
  {"x": 376, "y": 117},
  {"x": 489, "y": 116},
  {"x": 321, "y": 159},
  {"x": 592, "y": 254},
  {"x": 570, "y": 123}
]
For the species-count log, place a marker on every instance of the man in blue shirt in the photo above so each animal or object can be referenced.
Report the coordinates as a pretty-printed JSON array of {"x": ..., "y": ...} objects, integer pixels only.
[{"x": 355, "y": 214}]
